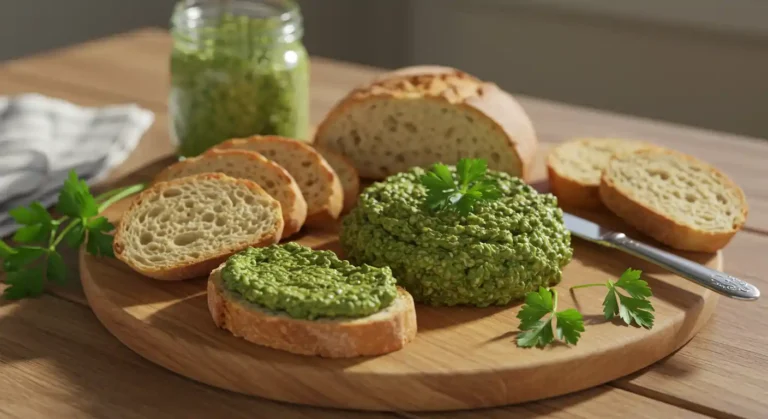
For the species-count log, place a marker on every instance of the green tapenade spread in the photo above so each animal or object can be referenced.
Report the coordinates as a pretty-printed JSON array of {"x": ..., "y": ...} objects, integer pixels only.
[
  {"x": 308, "y": 284},
  {"x": 235, "y": 77},
  {"x": 501, "y": 251}
]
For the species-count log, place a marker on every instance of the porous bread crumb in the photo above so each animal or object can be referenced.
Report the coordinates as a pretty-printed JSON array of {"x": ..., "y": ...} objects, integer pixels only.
[
  {"x": 193, "y": 219},
  {"x": 683, "y": 189},
  {"x": 383, "y": 136},
  {"x": 583, "y": 160},
  {"x": 242, "y": 164}
]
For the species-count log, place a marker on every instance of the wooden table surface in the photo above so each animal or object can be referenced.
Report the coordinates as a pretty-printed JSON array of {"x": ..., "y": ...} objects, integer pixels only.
[{"x": 56, "y": 360}]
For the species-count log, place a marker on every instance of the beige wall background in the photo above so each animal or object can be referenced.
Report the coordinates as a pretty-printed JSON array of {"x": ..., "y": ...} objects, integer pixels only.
[{"x": 694, "y": 62}]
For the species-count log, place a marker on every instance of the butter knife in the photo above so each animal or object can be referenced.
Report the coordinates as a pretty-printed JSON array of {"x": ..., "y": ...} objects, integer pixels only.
[{"x": 716, "y": 281}]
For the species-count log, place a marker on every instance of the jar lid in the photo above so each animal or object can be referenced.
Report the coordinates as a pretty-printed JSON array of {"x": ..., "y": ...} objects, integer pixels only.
[{"x": 280, "y": 19}]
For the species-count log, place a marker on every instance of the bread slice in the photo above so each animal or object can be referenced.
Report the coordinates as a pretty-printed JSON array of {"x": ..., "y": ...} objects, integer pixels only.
[
  {"x": 250, "y": 165},
  {"x": 418, "y": 116},
  {"x": 386, "y": 331},
  {"x": 674, "y": 198},
  {"x": 319, "y": 183},
  {"x": 575, "y": 167},
  {"x": 350, "y": 179},
  {"x": 186, "y": 227}
]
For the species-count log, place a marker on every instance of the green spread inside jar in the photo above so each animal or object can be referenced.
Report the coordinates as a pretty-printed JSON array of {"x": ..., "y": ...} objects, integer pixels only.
[
  {"x": 235, "y": 76},
  {"x": 306, "y": 283}
]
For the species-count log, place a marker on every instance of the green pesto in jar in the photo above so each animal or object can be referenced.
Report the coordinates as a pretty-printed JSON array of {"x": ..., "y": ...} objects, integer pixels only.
[
  {"x": 306, "y": 283},
  {"x": 503, "y": 250},
  {"x": 236, "y": 76}
]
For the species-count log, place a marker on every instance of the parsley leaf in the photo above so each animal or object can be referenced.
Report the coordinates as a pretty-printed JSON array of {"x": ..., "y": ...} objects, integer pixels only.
[
  {"x": 22, "y": 256},
  {"x": 444, "y": 193},
  {"x": 29, "y": 267},
  {"x": 537, "y": 334},
  {"x": 537, "y": 305},
  {"x": 30, "y": 234},
  {"x": 635, "y": 308},
  {"x": 74, "y": 237},
  {"x": 24, "y": 283},
  {"x": 630, "y": 281},
  {"x": 470, "y": 170},
  {"x": 537, "y": 331},
  {"x": 570, "y": 324},
  {"x": 440, "y": 187},
  {"x": 610, "y": 305},
  {"x": 99, "y": 243},
  {"x": 34, "y": 214},
  {"x": 75, "y": 200},
  {"x": 55, "y": 269},
  {"x": 36, "y": 221},
  {"x": 5, "y": 250}
]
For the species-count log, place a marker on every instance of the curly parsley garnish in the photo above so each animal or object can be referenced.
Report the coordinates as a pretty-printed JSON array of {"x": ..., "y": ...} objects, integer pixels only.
[
  {"x": 445, "y": 193},
  {"x": 29, "y": 267}
]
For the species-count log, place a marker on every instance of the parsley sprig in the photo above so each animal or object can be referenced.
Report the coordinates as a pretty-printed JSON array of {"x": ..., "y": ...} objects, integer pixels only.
[
  {"x": 632, "y": 308},
  {"x": 445, "y": 193},
  {"x": 28, "y": 266},
  {"x": 538, "y": 331}
]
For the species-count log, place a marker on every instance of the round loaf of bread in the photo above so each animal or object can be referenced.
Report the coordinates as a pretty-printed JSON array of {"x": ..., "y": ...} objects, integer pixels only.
[
  {"x": 418, "y": 116},
  {"x": 674, "y": 198}
]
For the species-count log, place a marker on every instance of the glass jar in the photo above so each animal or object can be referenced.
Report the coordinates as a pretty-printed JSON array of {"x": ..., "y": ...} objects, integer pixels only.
[{"x": 238, "y": 68}]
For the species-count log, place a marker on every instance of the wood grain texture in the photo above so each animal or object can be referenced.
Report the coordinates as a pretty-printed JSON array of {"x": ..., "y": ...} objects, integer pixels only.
[
  {"x": 599, "y": 402},
  {"x": 56, "y": 360},
  {"x": 462, "y": 357},
  {"x": 722, "y": 372}
]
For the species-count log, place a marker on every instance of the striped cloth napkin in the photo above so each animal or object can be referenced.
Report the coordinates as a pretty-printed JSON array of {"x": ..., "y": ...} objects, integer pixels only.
[{"x": 42, "y": 139}]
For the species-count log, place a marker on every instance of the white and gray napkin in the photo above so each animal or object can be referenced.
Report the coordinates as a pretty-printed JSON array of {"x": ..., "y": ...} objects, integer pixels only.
[{"x": 43, "y": 138}]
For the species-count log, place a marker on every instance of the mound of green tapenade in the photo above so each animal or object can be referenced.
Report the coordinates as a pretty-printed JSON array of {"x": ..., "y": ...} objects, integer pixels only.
[
  {"x": 501, "y": 251},
  {"x": 306, "y": 283}
]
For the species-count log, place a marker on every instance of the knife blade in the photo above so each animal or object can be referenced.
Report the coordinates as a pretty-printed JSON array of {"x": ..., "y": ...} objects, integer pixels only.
[{"x": 714, "y": 280}]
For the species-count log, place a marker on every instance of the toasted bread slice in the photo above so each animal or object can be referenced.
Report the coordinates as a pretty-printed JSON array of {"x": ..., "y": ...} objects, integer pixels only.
[
  {"x": 674, "y": 198},
  {"x": 319, "y": 183},
  {"x": 350, "y": 179},
  {"x": 243, "y": 164},
  {"x": 186, "y": 227},
  {"x": 386, "y": 331},
  {"x": 417, "y": 116},
  {"x": 575, "y": 167}
]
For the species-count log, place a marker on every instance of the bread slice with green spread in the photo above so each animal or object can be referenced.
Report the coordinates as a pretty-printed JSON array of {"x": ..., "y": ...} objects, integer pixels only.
[
  {"x": 326, "y": 307},
  {"x": 350, "y": 179},
  {"x": 186, "y": 227},
  {"x": 574, "y": 168},
  {"x": 417, "y": 116},
  {"x": 242, "y": 164},
  {"x": 319, "y": 183},
  {"x": 675, "y": 198}
]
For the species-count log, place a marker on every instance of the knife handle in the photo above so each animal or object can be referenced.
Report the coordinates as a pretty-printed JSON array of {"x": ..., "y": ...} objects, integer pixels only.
[{"x": 717, "y": 281}]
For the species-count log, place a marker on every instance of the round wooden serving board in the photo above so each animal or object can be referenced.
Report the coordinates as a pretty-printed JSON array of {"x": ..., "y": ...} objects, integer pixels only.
[{"x": 461, "y": 358}]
